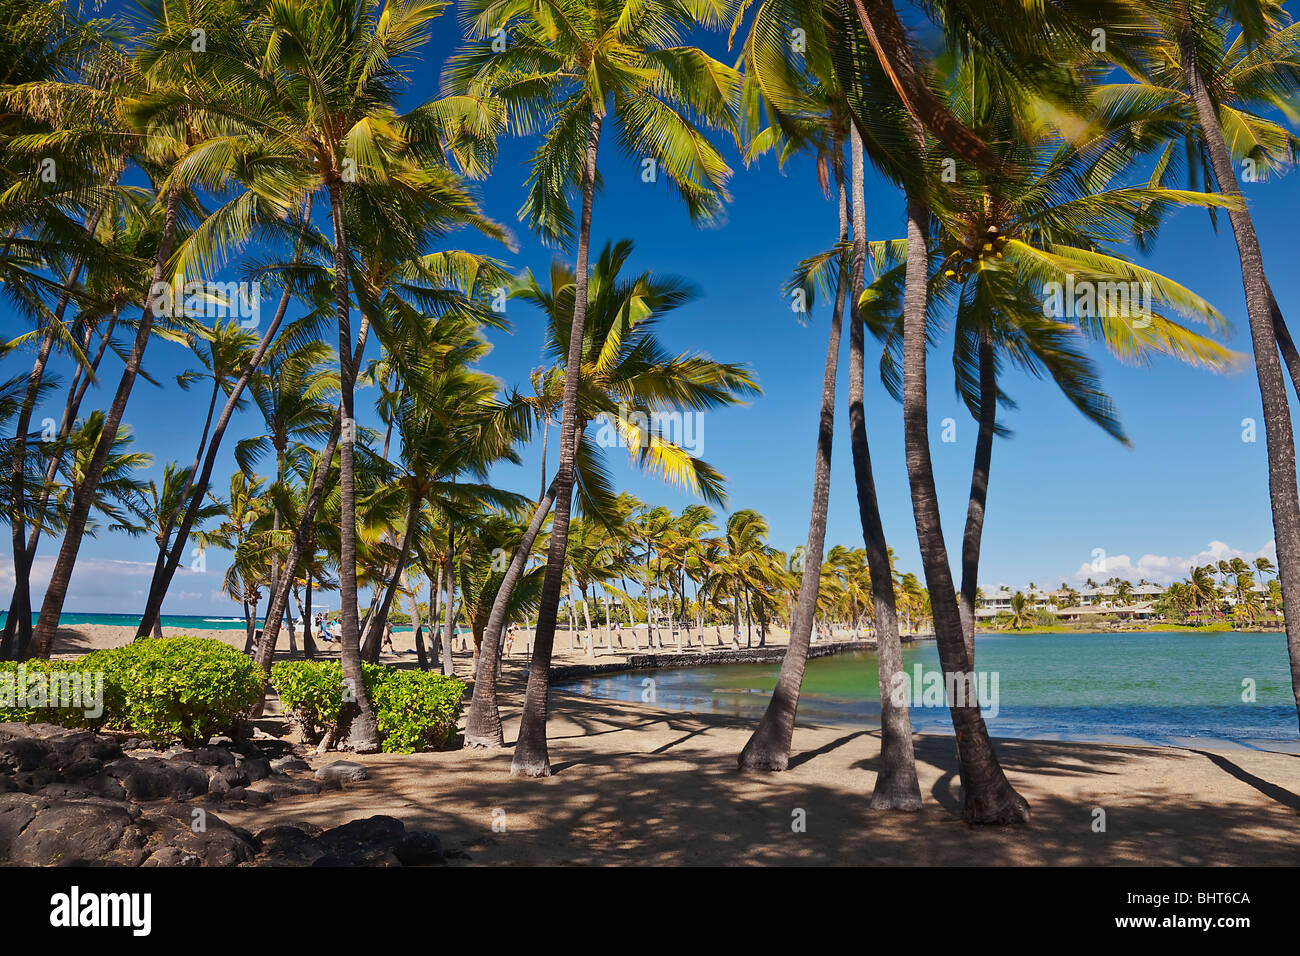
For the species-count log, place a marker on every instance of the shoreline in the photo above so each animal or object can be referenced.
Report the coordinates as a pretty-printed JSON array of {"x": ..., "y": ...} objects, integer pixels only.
[
  {"x": 706, "y": 658},
  {"x": 573, "y": 664}
]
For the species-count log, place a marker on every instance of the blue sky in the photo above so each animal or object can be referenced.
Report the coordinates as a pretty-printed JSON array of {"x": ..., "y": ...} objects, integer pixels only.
[{"x": 1188, "y": 489}]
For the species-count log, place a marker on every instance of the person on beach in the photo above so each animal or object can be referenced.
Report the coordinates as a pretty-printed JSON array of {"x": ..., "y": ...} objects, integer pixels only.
[
  {"x": 388, "y": 638},
  {"x": 333, "y": 631},
  {"x": 510, "y": 639}
]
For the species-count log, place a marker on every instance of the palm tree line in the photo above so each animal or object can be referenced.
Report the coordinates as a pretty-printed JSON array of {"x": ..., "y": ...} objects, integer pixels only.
[
  {"x": 1222, "y": 591},
  {"x": 277, "y": 140}
]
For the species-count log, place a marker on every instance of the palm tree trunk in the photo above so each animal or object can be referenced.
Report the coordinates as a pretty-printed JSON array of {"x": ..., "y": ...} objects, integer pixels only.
[
  {"x": 888, "y": 38},
  {"x": 749, "y": 622},
  {"x": 546, "y": 435},
  {"x": 979, "y": 488},
  {"x": 304, "y": 532},
  {"x": 20, "y": 609},
  {"x": 308, "y": 643},
  {"x": 270, "y": 634},
  {"x": 150, "y": 622},
  {"x": 650, "y": 631},
  {"x": 631, "y": 617},
  {"x": 448, "y": 662},
  {"x": 1286, "y": 345},
  {"x": 358, "y": 729},
  {"x": 531, "y": 755},
  {"x": 288, "y": 622},
  {"x": 989, "y": 797},
  {"x": 57, "y": 590},
  {"x": 611, "y": 626},
  {"x": 896, "y": 787},
  {"x": 483, "y": 725},
  {"x": 586, "y": 617},
  {"x": 735, "y": 614},
  {"x": 769, "y": 747},
  {"x": 1279, "y": 439},
  {"x": 435, "y": 632},
  {"x": 569, "y": 605},
  {"x": 375, "y": 626}
]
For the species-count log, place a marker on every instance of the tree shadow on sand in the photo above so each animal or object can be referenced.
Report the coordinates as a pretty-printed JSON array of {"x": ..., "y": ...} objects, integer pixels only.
[{"x": 669, "y": 792}]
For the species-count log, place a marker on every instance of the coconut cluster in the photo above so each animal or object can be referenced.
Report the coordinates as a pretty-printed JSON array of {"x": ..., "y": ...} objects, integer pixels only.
[{"x": 961, "y": 263}]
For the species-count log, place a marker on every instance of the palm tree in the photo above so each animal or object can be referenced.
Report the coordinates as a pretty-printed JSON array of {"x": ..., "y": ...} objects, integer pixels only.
[
  {"x": 746, "y": 567},
  {"x": 173, "y": 137},
  {"x": 271, "y": 339},
  {"x": 1124, "y": 592},
  {"x": 1008, "y": 241},
  {"x": 769, "y": 746},
  {"x": 125, "y": 234},
  {"x": 1215, "y": 81},
  {"x": 627, "y": 380},
  {"x": 321, "y": 82},
  {"x": 1203, "y": 591},
  {"x": 688, "y": 539},
  {"x": 295, "y": 395},
  {"x": 989, "y": 797},
  {"x": 1019, "y": 610},
  {"x": 119, "y": 494},
  {"x": 46, "y": 51},
  {"x": 819, "y": 122},
  {"x": 226, "y": 351},
  {"x": 244, "y": 510},
  {"x": 451, "y": 428},
  {"x": 566, "y": 65}
]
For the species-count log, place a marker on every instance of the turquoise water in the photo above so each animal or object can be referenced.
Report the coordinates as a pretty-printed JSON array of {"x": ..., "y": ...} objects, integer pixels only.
[
  {"x": 1161, "y": 688},
  {"x": 210, "y": 622},
  {"x": 196, "y": 622}
]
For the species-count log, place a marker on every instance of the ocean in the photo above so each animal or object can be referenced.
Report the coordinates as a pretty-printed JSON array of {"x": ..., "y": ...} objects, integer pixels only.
[{"x": 1157, "y": 688}]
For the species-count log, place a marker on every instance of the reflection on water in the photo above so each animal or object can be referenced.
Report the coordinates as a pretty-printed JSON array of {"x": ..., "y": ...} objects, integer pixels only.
[{"x": 1152, "y": 688}]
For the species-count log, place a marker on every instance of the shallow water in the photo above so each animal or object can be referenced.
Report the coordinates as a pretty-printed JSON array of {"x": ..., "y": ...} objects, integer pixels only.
[
  {"x": 196, "y": 622},
  {"x": 1160, "y": 688}
]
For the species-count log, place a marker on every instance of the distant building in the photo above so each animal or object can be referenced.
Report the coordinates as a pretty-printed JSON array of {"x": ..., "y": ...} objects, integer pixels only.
[{"x": 1090, "y": 601}]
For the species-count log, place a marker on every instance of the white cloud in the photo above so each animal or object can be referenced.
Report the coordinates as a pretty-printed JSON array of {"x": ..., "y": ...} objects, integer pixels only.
[{"x": 1165, "y": 568}]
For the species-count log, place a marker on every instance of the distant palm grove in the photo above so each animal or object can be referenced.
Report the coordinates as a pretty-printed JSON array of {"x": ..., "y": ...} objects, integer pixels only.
[{"x": 160, "y": 162}]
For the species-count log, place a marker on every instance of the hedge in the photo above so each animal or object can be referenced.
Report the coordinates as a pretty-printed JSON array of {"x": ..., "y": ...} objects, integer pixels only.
[
  {"x": 162, "y": 688},
  {"x": 416, "y": 710}
]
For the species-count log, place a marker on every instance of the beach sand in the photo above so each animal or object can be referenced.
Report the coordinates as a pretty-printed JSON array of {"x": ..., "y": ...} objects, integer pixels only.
[{"x": 633, "y": 784}]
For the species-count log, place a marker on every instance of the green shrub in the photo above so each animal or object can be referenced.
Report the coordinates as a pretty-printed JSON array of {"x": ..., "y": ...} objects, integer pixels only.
[
  {"x": 186, "y": 687},
  {"x": 311, "y": 692},
  {"x": 416, "y": 710},
  {"x": 31, "y": 691}
]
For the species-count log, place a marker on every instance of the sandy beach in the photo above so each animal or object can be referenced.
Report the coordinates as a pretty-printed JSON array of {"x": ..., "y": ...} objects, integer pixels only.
[{"x": 636, "y": 784}]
